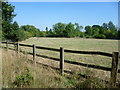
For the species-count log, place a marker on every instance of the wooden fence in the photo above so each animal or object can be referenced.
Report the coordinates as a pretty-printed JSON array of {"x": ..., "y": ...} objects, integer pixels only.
[{"x": 115, "y": 58}]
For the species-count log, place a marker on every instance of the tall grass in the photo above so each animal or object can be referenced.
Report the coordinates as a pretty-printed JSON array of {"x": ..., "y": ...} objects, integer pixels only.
[{"x": 14, "y": 66}]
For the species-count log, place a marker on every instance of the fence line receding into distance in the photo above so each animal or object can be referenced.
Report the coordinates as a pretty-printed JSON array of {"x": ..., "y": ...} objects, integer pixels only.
[{"x": 115, "y": 58}]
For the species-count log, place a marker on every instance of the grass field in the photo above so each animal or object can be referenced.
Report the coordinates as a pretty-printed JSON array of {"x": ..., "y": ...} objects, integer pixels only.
[
  {"x": 76, "y": 44},
  {"x": 68, "y": 43}
]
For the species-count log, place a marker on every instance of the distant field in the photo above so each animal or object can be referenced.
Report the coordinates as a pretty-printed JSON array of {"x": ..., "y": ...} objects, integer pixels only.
[
  {"x": 76, "y": 43},
  {"x": 103, "y": 45}
]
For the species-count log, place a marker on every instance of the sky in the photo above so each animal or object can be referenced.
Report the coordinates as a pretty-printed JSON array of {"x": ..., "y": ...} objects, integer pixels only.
[
  {"x": 46, "y": 14},
  {"x": 64, "y": 0}
]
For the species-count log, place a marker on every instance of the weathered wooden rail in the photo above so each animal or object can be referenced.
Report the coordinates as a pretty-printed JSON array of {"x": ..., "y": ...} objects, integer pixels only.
[{"x": 115, "y": 58}]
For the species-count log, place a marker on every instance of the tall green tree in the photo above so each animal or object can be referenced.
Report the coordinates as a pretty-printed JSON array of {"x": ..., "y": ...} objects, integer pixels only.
[
  {"x": 51, "y": 33},
  {"x": 78, "y": 29},
  {"x": 47, "y": 32},
  {"x": 95, "y": 31},
  {"x": 59, "y": 29},
  {"x": 69, "y": 30},
  {"x": 15, "y": 31},
  {"x": 88, "y": 31},
  {"x": 113, "y": 29},
  {"x": 7, "y": 17}
]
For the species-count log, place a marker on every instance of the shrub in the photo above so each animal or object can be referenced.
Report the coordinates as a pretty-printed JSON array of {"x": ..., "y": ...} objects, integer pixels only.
[{"x": 23, "y": 80}]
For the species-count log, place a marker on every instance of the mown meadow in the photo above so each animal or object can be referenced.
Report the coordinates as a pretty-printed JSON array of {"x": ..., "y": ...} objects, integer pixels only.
[{"x": 79, "y": 44}]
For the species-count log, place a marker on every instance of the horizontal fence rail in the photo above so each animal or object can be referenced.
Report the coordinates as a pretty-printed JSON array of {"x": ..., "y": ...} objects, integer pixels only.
[
  {"x": 69, "y": 51},
  {"x": 26, "y": 45},
  {"x": 46, "y": 48},
  {"x": 89, "y": 52},
  {"x": 76, "y": 63},
  {"x": 115, "y": 56}
]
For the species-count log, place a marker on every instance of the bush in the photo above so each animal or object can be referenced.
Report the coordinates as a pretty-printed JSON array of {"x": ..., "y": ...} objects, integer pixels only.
[
  {"x": 88, "y": 36},
  {"x": 102, "y": 36},
  {"x": 23, "y": 80},
  {"x": 21, "y": 35}
]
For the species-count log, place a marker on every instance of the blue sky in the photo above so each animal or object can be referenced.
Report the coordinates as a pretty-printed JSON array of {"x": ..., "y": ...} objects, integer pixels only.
[{"x": 45, "y": 14}]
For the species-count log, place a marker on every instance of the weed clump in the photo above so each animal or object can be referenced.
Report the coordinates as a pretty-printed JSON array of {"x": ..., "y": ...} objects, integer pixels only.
[{"x": 23, "y": 80}]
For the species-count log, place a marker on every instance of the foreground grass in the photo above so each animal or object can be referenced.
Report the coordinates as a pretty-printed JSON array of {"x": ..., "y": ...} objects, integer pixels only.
[{"x": 15, "y": 65}]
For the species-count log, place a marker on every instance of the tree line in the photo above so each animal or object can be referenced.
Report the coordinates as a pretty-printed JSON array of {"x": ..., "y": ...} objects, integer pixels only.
[
  {"x": 12, "y": 31},
  {"x": 107, "y": 30}
]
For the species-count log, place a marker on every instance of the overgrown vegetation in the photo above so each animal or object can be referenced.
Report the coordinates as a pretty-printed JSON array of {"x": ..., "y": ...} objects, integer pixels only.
[
  {"x": 12, "y": 31},
  {"x": 20, "y": 72},
  {"x": 23, "y": 80}
]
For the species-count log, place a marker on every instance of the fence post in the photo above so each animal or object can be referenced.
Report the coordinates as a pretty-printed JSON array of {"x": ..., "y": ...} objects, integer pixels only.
[
  {"x": 17, "y": 47},
  {"x": 114, "y": 69},
  {"x": 34, "y": 53},
  {"x": 62, "y": 60},
  {"x": 7, "y": 44}
]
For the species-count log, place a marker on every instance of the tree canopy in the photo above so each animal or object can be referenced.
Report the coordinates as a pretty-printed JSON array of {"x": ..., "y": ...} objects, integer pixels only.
[{"x": 12, "y": 31}]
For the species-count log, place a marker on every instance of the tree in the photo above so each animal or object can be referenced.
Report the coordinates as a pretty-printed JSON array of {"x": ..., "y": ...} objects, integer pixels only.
[
  {"x": 88, "y": 31},
  {"x": 15, "y": 29},
  {"x": 47, "y": 32},
  {"x": 59, "y": 29},
  {"x": 105, "y": 25},
  {"x": 118, "y": 33},
  {"x": 102, "y": 32},
  {"x": 111, "y": 26},
  {"x": 22, "y": 35},
  {"x": 69, "y": 30},
  {"x": 96, "y": 32},
  {"x": 42, "y": 34},
  {"x": 78, "y": 29},
  {"x": 108, "y": 33},
  {"x": 96, "y": 26},
  {"x": 7, "y": 17},
  {"x": 113, "y": 29},
  {"x": 32, "y": 29},
  {"x": 50, "y": 33}
]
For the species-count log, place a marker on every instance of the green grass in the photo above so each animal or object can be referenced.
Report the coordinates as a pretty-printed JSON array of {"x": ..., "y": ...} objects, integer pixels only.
[
  {"x": 103, "y": 45},
  {"x": 76, "y": 43}
]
